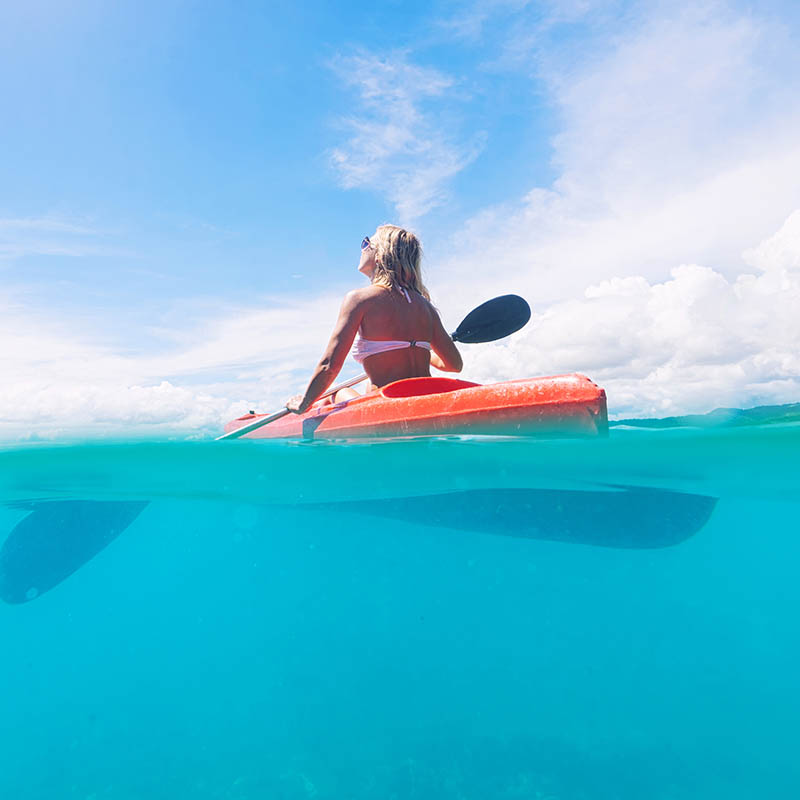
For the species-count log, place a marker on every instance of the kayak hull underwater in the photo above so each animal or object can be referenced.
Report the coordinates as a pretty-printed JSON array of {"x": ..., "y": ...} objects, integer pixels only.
[{"x": 557, "y": 406}]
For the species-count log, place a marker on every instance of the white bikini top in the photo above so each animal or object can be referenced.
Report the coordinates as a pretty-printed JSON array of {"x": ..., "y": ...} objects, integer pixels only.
[{"x": 364, "y": 348}]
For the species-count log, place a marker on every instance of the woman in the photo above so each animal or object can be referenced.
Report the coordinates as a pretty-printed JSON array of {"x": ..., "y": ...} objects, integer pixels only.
[{"x": 400, "y": 333}]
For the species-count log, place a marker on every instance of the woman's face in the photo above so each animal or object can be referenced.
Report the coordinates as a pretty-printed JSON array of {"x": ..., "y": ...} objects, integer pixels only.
[{"x": 366, "y": 265}]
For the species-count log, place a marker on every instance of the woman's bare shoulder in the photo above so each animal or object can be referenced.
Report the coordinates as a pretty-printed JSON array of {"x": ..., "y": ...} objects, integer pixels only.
[
  {"x": 357, "y": 301},
  {"x": 365, "y": 293}
]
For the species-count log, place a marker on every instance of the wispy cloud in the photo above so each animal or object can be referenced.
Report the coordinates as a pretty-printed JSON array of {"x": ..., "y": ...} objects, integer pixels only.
[
  {"x": 399, "y": 143},
  {"x": 49, "y": 236},
  {"x": 529, "y": 18}
]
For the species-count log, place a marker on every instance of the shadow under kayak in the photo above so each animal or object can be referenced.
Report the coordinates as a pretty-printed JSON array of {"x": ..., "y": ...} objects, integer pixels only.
[{"x": 630, "y": 517}]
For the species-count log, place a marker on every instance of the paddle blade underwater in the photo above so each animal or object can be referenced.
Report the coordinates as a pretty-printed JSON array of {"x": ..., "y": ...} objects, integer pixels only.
[{"x": 56, "y": 539}]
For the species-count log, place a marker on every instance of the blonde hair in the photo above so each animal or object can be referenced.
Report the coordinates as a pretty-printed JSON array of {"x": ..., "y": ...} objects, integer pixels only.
[{"x": 398, "y": 259}]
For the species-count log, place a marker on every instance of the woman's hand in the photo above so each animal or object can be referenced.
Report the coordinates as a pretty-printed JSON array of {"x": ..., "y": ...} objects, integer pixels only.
[
  {"x": 437, "y": 362},
  {"x": 296, "y": 405}
]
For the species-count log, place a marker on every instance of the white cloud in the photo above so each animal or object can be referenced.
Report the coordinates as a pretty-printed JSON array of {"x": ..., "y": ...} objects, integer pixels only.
[
  {"x": 397, "y": 145},
  {"x": 65, "y": 384},
  {"x": 693, "y": 342}
]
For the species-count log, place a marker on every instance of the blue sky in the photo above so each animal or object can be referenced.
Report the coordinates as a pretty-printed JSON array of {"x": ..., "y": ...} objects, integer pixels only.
[
  {"x": 182, "y": 138},
  {"x": 183, "y": 187}
]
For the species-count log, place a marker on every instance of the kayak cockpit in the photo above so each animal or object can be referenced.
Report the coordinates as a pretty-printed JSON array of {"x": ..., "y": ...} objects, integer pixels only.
[{"x": 417, "y": 387}]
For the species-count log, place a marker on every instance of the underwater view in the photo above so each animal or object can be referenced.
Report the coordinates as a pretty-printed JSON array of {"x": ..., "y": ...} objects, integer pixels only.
[{"x": 442, "y": 618}]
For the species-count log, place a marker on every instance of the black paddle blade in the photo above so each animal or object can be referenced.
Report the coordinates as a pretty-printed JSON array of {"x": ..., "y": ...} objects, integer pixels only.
[
  {"x": 56, "y": 539},
  {"x": 493, "y": 320},
  {"x": 629, "y": 517}
]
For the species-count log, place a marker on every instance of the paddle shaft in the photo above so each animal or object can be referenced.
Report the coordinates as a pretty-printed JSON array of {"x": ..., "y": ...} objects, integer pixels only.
[{"x": 256, "y": 424}]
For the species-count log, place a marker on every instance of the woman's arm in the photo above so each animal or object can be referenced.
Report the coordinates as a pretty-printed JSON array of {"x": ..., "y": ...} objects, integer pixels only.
[
  {"x": 444, "y": 353},
  {"x": 335, "y": 353}
]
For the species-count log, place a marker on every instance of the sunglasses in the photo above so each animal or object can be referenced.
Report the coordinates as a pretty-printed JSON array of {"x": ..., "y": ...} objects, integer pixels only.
[{"x": 365, "y": 243}]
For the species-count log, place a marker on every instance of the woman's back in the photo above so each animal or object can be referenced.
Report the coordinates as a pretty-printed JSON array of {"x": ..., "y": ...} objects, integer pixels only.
[{"x": 392, "y": 315}]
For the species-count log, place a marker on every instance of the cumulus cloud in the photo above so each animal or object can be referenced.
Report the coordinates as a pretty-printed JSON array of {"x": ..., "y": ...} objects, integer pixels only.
[
  {"x": 399, "y": 144},
  {"x": 692, "y": 342}
]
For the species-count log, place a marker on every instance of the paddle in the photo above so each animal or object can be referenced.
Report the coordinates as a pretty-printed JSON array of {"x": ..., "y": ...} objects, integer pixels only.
[
  {"x": 495, "y": 319},
  {"x": 490, "y": 321}
]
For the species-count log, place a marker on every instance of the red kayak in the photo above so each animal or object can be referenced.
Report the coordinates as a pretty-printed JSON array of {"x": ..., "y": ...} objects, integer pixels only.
[{"x": 563, "y": 405}]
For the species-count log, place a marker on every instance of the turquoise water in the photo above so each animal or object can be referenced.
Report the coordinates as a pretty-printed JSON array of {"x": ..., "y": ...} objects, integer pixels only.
[{"x": 427, "y": 619}]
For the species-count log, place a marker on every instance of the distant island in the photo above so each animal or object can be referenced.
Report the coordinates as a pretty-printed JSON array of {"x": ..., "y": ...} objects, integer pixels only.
[{"x": 721, "y": 417}]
